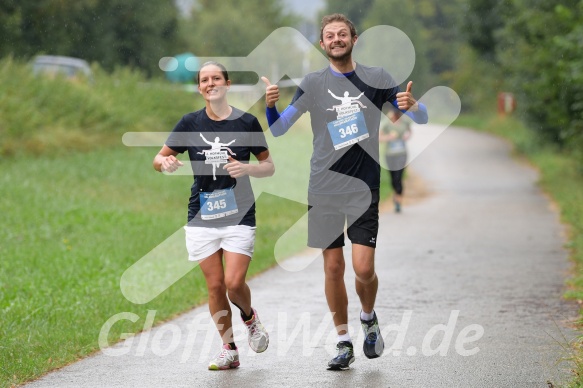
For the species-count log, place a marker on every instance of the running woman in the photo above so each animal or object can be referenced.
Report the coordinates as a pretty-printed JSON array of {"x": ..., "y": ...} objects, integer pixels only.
[
  {"x": 345, "y": 101},
  {"x": 220, "y": 233},
  {"x": 395, "y": 134}
]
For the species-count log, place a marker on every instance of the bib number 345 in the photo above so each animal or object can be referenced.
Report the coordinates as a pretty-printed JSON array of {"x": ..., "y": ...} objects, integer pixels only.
[{"x": 216, "y": 205}]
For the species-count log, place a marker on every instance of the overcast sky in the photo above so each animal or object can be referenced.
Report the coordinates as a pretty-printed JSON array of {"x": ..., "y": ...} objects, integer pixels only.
[{"x": 307, "y": 8}]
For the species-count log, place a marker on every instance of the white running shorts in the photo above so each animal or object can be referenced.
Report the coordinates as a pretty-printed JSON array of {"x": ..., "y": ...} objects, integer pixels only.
[{"x": 202, "y": 242}]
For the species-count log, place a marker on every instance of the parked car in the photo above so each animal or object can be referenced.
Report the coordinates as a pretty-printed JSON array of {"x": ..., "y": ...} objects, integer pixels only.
[{"x": 68, "y": 66}]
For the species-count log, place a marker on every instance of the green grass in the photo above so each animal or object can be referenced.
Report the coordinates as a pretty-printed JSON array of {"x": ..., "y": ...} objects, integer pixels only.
[
  {"x": 40, "y": 115},
  {"x": 79, "y": 208},
  {"x": 72, "y": 226},
  {"x": 561, "y": 179}
]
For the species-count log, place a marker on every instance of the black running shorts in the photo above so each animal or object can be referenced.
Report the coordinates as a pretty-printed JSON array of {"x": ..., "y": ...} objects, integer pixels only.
[{"x": 328, "y": 214}]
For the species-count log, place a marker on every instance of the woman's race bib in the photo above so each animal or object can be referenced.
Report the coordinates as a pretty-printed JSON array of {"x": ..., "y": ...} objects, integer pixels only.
[
  {"x": 217, "y": 204},
  {"x": 397, "y": 146}
]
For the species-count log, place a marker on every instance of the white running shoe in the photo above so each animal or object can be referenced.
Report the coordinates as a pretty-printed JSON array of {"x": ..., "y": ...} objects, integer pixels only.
[
  {"x": 256, "y": 334},
  {"x": 226, "y": 359}
]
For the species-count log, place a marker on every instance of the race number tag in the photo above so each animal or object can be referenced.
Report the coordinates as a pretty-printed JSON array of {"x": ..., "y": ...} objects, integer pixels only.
[
  {"x": 397, "y": 146},
  {"x": 217, "y": 204},
  {"x": 348, "y": 130}
]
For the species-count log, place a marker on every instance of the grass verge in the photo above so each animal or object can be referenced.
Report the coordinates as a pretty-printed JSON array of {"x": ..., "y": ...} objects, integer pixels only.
[{"x": 72, "y": 226}]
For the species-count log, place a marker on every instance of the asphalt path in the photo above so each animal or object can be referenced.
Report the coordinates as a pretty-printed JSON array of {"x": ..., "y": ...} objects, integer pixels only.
[{"x": 470, "y": 295}]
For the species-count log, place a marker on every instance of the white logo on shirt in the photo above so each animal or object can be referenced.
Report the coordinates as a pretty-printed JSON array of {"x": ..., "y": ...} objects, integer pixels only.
[
  {"x": 217, "y": 155},
  {"x": 348, "y": 105}
]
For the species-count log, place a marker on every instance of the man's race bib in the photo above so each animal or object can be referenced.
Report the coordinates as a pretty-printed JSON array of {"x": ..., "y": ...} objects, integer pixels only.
[
  {"x": 217, "y": 204},
  {"x": 348, "y": 130}
]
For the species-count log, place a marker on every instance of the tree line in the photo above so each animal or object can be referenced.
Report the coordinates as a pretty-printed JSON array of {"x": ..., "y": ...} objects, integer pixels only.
[
  {"x": 111, "y": 32},
  {"x": 479, "y": 47},
  {"x": 536, "y": 48},
  {"x": 531, "y": 48},
  {"x": 135, "y": 33}
]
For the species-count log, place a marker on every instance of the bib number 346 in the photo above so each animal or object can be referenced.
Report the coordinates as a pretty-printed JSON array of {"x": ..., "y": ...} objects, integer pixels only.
[{"x": 348, "y": 131}]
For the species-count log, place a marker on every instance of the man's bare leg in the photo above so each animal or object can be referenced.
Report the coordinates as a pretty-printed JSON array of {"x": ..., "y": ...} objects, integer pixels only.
[
  {"x": 335, "y": 288},
  {"x": 366, "y": 281}
]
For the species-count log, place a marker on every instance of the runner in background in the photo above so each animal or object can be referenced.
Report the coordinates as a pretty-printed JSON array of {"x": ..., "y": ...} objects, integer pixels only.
[{"x": 395, "y": 134}]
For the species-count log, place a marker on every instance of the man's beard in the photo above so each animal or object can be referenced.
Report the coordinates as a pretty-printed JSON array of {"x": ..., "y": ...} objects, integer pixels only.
[{"x": 341, "y": 57}]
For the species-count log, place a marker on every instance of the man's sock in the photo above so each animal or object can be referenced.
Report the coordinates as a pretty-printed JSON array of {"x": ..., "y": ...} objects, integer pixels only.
[
  {"x": 344, "y": 337},
  {"x": 366, "y": 316}
]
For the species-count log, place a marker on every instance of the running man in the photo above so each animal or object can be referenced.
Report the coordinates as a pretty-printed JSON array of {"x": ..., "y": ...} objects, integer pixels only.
[
  {"x": 345, "y": 173},
  {"x": 221, "y": 210}
]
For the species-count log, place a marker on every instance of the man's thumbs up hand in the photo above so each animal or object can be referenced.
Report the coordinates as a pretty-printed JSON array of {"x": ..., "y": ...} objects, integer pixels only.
[
  {"x": 409, "y": 86},
  {"x": 271, "y": 92},
  {"x": 405, "y": 99}
]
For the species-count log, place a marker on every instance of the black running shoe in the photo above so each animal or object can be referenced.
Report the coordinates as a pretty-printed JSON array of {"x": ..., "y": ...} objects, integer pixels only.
[
  {"x": 344, "y": 358},
  {"x": 373, "y": 341}
]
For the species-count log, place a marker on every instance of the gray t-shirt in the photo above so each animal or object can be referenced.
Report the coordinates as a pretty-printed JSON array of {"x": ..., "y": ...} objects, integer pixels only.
[{"x": 345, "y": 114}]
